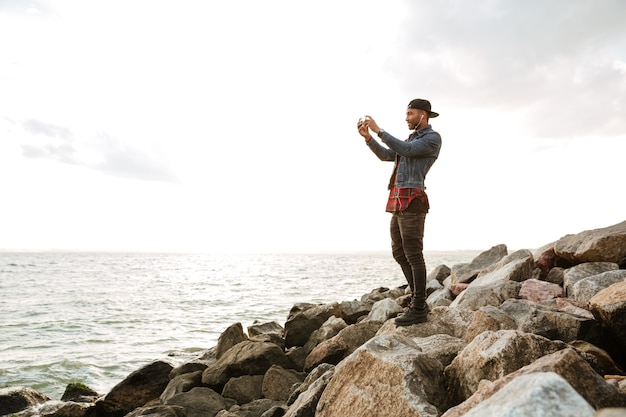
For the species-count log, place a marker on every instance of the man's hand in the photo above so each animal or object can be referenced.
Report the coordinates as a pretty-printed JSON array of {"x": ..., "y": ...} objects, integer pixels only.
[{"x": 362, "y": 127}]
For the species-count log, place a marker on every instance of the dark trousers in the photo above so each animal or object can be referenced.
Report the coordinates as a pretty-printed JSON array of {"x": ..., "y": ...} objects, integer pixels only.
[{"x": 407, "y": 245}]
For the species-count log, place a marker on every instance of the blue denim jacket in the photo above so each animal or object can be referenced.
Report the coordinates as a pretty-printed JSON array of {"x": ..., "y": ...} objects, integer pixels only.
[{"x": 413, "y": 156}]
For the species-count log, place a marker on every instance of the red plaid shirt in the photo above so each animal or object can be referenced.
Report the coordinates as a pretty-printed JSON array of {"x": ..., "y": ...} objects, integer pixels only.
[{"x": 400, "y": 198}]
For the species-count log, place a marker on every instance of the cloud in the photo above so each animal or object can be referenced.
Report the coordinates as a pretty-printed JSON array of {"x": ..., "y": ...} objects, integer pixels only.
[
  {"x": 561, "y": 63},
  {"x": 104, "y": 153}
]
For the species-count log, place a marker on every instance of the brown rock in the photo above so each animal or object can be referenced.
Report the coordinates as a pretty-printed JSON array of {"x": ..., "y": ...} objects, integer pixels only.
[
  {"x": 388, "y": 376},
  {"x": 277, "y": 382},
  {"x": 599, "y": 245},
  {"x": 14, "y": 399},
  {"x": 535, "y": 290},
  {"x": 244, "y": 389},
  {"x": 492, "y": 355},
  {"x": 245, "y": 358},
  {"x": 566, "y": 363},
  {"x": 489, "y": 318},
  {"x": 135, "y": 390},
  {"x": 230, "y": 337}
]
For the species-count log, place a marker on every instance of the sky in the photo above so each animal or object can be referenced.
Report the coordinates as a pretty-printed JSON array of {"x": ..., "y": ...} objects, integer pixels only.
[{"x": 230, "y": 126}]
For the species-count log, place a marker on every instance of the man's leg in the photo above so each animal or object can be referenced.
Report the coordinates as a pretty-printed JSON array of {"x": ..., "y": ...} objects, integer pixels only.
[
  {"x": 397, "y": 250},
  {"x": 411, "y": 227}
]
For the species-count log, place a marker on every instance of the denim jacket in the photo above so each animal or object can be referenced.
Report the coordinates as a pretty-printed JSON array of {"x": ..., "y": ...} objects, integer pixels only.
[{"x": 413, "y": 156}]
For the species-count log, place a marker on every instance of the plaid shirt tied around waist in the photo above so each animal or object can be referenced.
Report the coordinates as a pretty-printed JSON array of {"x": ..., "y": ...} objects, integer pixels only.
[{"x": 400, "y": 199}]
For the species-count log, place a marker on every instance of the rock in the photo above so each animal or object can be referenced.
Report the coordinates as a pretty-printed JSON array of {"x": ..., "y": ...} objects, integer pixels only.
[
  {"x": 518, "y": 266},
  {"x": 297, "y": 356},
  {"x": 545, "y": 261},
  {"x": 136, "y": 390},
  {"x": 306, "y": 402},
  {"x": 244, "y": 389},
  {"x": 275, "y": 411},
  {"x": 527, "y": 394},
  {"x": 432, "y": 286},
  {"x": 181, "y": 383},
  {"x": 489, "y": 318},
  {"x": 602, "y": 358},
  {"x": 343, "y": 344},
  {"x": 77, "y": 392},
  {"x": 556, "y": 276},
  {"x": 552, "y": 323},
  {"x": 351, "y": 311},
  {"x": 457, "y": 289},
  {"x": 14, "y": 399},
  {"x": 300, "y": 326},
  {"x": 308, "y": 380},
  {"x": 586, "y": 288},
  {"x": 382, "y": 293},
  {"x": 439, "y": 298},
  {"x": 383, "y": 310},
  {"x": 387, "y": 376},
  {"x": 535, "y": 290},
  {"x": 158, "y": 411},
  {"x": 477, "y": 296},
  {"x": 439, "y": 273},
  {"x": 465, "y": 273},
  {"x": 609, "y": 308},
  {"x": 599, "y": 245},
  {"x": 441, "y": 320},
  {"x": 329, "y": 329},
  {"x": 442, "y": 347},
  {"x": 492, "y": 355},
  {"x": 566, "y": 363},
  {"x": 582, "y": 271},
  {"x": 230, "y": 337},
  {"x": 271, "y": 327},
  {"x": 278, "y": 381},
  {"x": 199, "y": 402},
  {"x": 197, "y": 364},
  {"x": 245, "y": 358}
]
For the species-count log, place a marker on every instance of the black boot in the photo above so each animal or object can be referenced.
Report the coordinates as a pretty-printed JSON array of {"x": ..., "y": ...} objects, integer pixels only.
[{"x": 413, "y": 316}]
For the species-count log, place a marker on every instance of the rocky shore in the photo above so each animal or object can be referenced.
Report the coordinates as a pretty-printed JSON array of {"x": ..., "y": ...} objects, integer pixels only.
[{"x": 509, "y": 334}]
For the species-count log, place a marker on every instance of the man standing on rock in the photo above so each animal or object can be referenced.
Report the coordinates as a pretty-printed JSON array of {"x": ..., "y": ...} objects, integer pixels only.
[{"x": 408, "y": 201}]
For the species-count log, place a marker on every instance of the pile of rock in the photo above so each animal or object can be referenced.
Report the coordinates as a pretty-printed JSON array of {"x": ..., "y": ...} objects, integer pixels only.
[{"x": 507, "y": 335}]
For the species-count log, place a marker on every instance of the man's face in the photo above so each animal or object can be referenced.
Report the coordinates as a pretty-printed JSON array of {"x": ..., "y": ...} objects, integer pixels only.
[{"x": 414, "y": 117}]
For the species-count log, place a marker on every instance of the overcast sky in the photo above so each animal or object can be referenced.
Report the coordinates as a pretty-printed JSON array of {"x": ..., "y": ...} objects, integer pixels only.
[{"x": 231, "y": 125}]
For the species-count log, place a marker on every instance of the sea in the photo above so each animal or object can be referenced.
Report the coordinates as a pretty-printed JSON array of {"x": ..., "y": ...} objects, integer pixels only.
[{"x": 96, "y": 317}]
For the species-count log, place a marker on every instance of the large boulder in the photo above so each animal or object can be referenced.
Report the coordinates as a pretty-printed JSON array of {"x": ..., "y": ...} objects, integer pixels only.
[
  {"x": 494, "y": 294},
  {"x": 599, "y": 245},
  {"x": 441, "y": 320},
  {"x": 383, "y": 310},
  {"x": 586, "y": 288},
  {"x": 245, "y": 358},
  {"x": 137, "y": 389},
  {"x": 351, "y": 311},
  {"x": 244, "y": 389},
  {"x": 542, "y": 393},
  {"x": 335, "y": 349},
  {"x": 566, "y": 363},
  {"x": 329, "y": 329},
  {"x": 230, "y": 337},
  {"x": 552, "y": 323},
  {"x": 199, "y": 402},
  {"x": 277, "y": 382},
  {"x": 489, "y": 318},
  {"x": 301, "y": 324},
  {"x": 579, "y": 272},
  {"x": 492, "y": 355},
  {"x": 464, "y": 273},
  {"x": 536, "y": 290},
  {"x": 386, "y": 376},
  {"x": 14, "y": 399}
]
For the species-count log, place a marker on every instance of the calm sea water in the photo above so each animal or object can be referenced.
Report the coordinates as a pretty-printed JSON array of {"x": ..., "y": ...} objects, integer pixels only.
[{"x": 96, "y": 317}]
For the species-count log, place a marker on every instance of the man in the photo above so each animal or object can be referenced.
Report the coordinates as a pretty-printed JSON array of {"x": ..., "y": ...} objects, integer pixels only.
[{"x": 408, "y": 201}]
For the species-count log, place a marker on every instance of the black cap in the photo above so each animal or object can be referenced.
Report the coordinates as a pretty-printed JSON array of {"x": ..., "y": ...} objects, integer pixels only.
[{"x": 421, "y": 104}]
